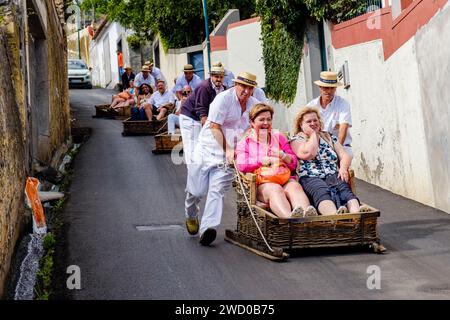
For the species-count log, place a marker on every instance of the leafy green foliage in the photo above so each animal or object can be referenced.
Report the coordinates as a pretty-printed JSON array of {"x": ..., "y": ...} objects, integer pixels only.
[
  {"x": 335, "y": 11},
  {"x": 179, "y": 24},
  {"x": 283, "y": 28}
]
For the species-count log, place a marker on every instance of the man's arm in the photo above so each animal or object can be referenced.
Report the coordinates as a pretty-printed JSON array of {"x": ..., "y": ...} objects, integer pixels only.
[
  {"x": 202, "y": 102},
  {"x": 218, "y": 134},
  {"x": 343, "y": 128}
]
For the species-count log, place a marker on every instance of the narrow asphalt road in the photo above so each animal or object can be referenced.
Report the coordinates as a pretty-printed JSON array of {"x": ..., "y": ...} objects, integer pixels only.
[{"x": 120, "y": 186}]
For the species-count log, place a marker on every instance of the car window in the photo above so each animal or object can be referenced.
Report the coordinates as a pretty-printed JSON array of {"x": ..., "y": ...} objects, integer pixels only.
[{"x": 77, "y": 65}]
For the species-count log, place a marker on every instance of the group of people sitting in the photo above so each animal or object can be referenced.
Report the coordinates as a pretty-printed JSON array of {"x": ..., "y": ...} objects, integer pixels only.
[
  {"x": 147, "y": 94},
  {"x": 301, "y": 176}
]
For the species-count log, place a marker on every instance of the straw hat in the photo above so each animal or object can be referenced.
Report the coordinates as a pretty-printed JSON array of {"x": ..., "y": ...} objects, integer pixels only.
[
  {"x": 328, "y": 79},
  {"x": 145, "y": 68},
  {"x": 246, "y": 78},
  {"x": 217, "y": 70},
  {"x": 188, "y": 68},
  {"x": 128, "y": 68},
  {"x": 148, "y": 63}
]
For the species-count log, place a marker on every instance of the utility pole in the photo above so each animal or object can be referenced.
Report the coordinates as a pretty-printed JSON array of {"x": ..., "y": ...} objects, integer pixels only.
[
  {"x": 78, "y": 23},
  {"x": 205, "y": 13}
]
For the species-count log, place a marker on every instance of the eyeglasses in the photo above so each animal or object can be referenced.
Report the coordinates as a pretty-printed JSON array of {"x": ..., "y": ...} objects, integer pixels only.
[{"x": 185, "y": 93}]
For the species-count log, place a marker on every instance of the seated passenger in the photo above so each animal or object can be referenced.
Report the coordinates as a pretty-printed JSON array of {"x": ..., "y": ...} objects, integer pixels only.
[
  {"x": 138, "y": 112},
  {"x": 264, "y": 147},
  {"x": 160, "y": 102},
  {"x": 173, "y": 120},
  {"x": 127, "y": 96},
  {"x": 120, "y": 97},
  {"x": 320, "y": 175}
]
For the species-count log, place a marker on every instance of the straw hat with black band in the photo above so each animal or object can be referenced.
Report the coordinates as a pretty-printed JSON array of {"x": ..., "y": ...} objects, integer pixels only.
[
  {"x": 145, "y": 68},
  {"x": 246, "y": 78},
  {"x": 328, "y": 79},
  {"x": 188, "y": 68}
]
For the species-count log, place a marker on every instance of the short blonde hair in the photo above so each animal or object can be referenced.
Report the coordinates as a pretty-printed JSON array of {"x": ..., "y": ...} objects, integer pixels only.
[
  {"x": 297, "y": 127},
  {"x": 259, "y": 108}
]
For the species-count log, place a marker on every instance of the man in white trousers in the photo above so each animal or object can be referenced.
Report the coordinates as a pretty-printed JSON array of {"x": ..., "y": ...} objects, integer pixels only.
[
  {"x": 193, "y": 116},
  {"x": 210, "y": 173}
]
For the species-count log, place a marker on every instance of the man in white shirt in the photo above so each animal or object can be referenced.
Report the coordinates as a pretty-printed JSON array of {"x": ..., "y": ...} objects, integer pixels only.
[
  {"x": 334, "y": 110},
  {"x": 144, "y": 77},
  {"x": 210, "y": 172},
  {"x": 187, "y": 78},
  {"x": 259, "y": 94},
  {"x": 161, "y": 101},
  {"x": 154, "y": 71}
]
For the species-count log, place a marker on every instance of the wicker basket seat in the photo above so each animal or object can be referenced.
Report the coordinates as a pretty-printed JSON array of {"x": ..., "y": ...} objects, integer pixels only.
[{"x": 358, "y": 229}]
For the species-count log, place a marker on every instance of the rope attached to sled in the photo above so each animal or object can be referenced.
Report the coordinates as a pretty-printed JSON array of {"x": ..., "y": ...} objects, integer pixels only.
[{"x": 250, "y": 208}]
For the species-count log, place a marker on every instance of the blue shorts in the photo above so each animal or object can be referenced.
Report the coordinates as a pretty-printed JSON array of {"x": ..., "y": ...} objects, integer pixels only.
[{"x": 328, "y": 188}]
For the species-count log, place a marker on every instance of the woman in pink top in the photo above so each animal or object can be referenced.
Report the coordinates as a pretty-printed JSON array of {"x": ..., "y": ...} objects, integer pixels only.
[{"x": 263, "y": 146}]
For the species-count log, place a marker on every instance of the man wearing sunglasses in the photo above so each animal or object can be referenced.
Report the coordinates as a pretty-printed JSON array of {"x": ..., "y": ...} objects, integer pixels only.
[
  {"x": 194, "y": 113},
  {"x": 173, "y": 120}
]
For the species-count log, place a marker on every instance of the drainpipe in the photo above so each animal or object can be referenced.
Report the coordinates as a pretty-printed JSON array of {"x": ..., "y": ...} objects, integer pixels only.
[{"x": 205, "y": 13}]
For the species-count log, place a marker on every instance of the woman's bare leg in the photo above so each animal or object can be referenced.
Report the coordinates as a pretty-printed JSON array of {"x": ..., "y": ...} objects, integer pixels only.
[
  {"x": 353, "y": 206},
  {"x": 327, "y": 208},
  {"x": 274, "y": 194},
  {"x": 296, "y": 195},
  {"x": 116, "y": 101}
]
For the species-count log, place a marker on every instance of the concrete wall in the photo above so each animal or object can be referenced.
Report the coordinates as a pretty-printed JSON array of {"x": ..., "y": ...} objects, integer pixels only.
[
  {"x": 388, "y": 133},
  {"x": 434, "y": 72},
  {"x": 245, "y": 50},
  {"x": 34, "y": 113},
  {"x": 398, "y": 95}
]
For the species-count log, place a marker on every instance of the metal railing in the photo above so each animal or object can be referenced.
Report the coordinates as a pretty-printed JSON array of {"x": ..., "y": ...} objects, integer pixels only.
[{"x": 371, "y": 5}]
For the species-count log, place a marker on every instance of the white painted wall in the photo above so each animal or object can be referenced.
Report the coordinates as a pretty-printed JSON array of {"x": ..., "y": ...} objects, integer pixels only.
[
  {"x": 245, "y": 51},
  {"x": 399, "y": 107},
  {"x": 388, "y": 134},
  {"x": 115, "y": 32}
]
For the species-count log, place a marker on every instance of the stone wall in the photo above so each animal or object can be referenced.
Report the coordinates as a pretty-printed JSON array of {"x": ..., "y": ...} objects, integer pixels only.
[
  {"x": 12, "y": 166},
  {"x": 34, "y": 106}
]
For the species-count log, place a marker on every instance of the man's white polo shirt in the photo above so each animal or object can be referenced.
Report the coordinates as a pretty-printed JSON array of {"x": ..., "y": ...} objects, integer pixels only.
[
  {"x": 226, "y": 111},
  {"x": 336, "y": 112},
  {"x": 157, "y": 99}
]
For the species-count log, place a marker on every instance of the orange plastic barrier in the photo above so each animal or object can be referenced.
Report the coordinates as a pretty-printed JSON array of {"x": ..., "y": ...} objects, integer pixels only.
[{"x": 31, "y": 191}]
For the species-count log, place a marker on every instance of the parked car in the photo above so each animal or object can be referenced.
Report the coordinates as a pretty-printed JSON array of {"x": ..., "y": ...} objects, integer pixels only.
[{"x": 79, "y": 74}]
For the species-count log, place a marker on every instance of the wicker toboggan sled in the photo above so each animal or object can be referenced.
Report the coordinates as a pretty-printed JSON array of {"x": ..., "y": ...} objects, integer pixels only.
[{"x": 261, "y": 232}]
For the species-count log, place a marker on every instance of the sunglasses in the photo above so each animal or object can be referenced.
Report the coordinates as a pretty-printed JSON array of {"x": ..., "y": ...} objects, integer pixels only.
[{"x": 185, "y": 93}]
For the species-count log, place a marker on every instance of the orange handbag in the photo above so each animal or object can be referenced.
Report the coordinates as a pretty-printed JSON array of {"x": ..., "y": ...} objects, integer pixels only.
[{"x": 279, "y": 174}]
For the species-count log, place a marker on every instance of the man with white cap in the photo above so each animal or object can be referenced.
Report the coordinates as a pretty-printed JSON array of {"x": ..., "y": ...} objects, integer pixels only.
[
  {"x": 334, "y": 110},
  {"x": 210, "y": 172},
  {"x": 187, "y": 78},
  {"x": 194, "y": 113}
]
